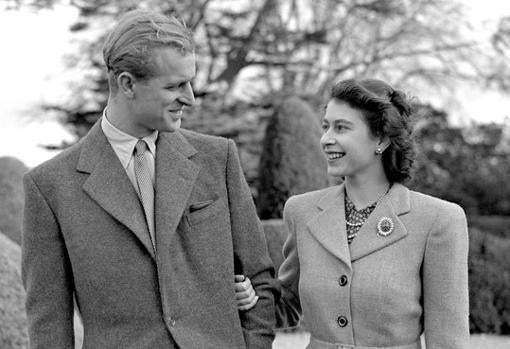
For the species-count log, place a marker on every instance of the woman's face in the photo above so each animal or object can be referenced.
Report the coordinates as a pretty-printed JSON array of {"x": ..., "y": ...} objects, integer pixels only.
[{"x": 348, "y": 143}]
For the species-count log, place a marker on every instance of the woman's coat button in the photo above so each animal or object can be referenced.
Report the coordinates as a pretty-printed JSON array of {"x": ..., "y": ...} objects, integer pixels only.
[
  {"x": 342, "y": 321},
  {"x": 342, "y": 280}
]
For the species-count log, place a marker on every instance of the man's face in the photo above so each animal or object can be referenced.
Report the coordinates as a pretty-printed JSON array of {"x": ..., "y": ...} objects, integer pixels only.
[{"x": 157, "y": 102}]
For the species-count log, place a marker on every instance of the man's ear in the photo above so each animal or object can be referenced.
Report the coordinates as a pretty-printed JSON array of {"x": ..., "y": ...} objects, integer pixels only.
[{"x": 125, "y": 82}]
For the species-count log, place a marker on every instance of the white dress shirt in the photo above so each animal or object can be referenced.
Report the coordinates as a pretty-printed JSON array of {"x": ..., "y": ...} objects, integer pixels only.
[{"x": 124, "y": 145}]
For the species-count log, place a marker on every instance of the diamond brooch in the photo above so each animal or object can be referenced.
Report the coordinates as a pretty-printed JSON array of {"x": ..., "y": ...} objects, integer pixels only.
[{"x": 385, "y": 226}]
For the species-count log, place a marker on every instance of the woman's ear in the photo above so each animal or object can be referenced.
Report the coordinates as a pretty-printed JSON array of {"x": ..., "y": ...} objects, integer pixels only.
[
  {"x": 384, "y": 142},
  {"x": 126, "y": 82}
]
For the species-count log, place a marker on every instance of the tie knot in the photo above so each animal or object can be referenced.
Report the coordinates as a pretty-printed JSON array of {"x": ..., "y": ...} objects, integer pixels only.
[{"x": 140, "y": 147}]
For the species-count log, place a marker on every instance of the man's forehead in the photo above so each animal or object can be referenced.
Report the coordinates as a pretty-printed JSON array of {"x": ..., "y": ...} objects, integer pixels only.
[
  {"x": 171, "y": 50},
  {"x": 171, "y": 61}
]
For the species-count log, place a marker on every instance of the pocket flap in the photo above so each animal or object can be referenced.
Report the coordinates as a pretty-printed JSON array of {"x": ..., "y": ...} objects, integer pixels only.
[{"x": 199, "y": 205}]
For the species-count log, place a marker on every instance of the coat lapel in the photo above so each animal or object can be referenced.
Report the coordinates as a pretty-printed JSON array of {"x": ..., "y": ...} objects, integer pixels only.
[
  {"x": 328, "y": 226},
  {"x": 394, "y": 204},
  {"x": 109, "y": 185},
  {"x": 175, "y": 178}
]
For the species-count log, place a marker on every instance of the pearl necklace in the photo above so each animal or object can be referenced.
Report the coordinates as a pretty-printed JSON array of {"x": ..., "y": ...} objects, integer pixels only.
[{"x": 351, "y": 224}]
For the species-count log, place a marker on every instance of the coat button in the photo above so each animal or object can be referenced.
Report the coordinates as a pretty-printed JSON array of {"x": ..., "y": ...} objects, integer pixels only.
[
  {"x": 342, "y": 280},
  {"x": 171, "y": 321},
  {"x": 342, "y": 321}
]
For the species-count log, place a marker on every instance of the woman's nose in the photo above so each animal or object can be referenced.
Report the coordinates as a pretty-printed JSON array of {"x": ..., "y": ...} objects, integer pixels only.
[{"x": 326, "y": 139}]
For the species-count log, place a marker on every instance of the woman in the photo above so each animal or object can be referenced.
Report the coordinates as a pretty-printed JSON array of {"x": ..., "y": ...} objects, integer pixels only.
[{"x": 370, "y": 263}]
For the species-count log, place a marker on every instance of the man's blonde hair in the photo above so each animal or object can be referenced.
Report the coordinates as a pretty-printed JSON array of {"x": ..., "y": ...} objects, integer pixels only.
[{"x": 128, "y": 47}]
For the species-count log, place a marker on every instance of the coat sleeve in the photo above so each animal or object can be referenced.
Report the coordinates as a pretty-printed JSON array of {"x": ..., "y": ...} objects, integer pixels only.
[
  {"x": 288, "y": 309},
  {"x": 46, "y": 274},
  {"x": 251, "y": 257},
  {"x": 445, "y": 281}
]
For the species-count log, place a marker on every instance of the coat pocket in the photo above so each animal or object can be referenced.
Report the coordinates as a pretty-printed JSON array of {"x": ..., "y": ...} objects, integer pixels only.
[
  {"x": 200, "y": 211},
  {"x": 199, "y": 205}
]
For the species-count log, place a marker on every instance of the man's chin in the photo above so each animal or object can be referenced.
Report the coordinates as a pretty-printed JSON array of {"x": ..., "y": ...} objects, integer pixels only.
[{"x": 172, "y": 127}]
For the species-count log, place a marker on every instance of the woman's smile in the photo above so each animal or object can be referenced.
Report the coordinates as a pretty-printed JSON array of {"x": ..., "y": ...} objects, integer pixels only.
[{"x": 333, "y": 155}]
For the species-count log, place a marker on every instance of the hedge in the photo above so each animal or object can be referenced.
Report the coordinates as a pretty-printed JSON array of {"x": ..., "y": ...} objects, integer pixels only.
[
  {"x": 292, "y": 161},
  {"x": 489, "y": 282},
  {"x": 13, "y": 322},
  {"x": 11, "y": 197}
]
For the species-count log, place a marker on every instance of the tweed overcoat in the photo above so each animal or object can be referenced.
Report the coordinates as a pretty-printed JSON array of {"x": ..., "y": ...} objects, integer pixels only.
[
  {"x": 85, "y": 237},
  {"x": 380, "y": 291}
]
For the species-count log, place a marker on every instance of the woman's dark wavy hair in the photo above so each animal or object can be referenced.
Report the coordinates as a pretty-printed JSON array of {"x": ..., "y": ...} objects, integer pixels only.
[{"x": 388, "y": 113}]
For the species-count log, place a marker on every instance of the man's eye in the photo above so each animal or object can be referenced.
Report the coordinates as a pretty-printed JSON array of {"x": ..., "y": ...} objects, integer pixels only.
[
  {"x": 175, "y": 87},
  {"x": 324, "y": 127}
]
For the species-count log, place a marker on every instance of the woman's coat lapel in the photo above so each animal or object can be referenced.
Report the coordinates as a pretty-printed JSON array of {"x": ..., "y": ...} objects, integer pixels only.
[{"x": 329, "y": 228}]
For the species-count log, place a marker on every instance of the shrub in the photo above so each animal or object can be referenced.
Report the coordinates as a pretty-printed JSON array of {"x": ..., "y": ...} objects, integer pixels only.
[
  {"x": 11, "y": 197},
  {"x": 495, "y": 225},
  {"x": 13, "y": 322},
  {"x": 489, "y": 283},
  {"x": 292, "y": 161},
  {"x": 276, "y": 234}
]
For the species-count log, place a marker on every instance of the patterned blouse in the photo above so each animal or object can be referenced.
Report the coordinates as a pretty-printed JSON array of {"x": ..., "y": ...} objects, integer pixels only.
[{"x": 355, "y": 217}]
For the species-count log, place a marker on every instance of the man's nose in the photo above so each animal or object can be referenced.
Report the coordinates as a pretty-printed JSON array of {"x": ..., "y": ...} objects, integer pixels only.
[{"x": 187, "y": 97}]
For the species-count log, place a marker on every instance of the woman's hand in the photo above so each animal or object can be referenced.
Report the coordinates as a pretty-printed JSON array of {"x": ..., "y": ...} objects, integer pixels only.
[{"x": 246, "y": 298}]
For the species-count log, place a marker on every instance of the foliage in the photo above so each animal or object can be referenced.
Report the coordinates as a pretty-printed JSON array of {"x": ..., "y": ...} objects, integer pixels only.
[
  {"x": 489, "y": 282},
  {"x": 501, "y": 42},
  {"x": 467, "y": 165},
  {"x": 276, "y": 234},
  {"x": 292, "y": 161},
  {"x": 495, "y": 225},
  {"x": 502, "y": 36},
  {"x": 13, "y": 322},
  {"x": 11, "y": 197}
]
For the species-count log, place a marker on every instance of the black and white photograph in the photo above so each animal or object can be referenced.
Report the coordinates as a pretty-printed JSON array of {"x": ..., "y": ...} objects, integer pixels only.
[{"x": 260, "y": 174}]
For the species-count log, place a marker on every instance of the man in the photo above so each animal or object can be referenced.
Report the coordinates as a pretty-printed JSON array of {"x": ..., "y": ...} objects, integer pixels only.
[{"x": 143, "y": 224}]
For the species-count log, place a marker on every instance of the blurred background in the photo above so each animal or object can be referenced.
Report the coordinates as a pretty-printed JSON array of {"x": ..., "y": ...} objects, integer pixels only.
[{"x": 264, "y": 71}]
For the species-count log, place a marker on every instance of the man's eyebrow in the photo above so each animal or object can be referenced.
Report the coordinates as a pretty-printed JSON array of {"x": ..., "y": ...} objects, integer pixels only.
[{"x": 178, "y": 81}]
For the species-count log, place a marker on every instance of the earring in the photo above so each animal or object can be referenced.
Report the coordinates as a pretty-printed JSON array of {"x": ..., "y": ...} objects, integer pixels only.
[{"x": 378, "y": 151}]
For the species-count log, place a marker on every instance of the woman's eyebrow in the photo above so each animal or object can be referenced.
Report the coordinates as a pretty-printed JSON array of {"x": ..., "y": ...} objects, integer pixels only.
[{"x": 338, "y": 121}]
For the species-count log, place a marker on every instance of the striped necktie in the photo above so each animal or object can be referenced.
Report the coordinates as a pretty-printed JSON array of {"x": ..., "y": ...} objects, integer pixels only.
[{"x": 145, "y": 186}]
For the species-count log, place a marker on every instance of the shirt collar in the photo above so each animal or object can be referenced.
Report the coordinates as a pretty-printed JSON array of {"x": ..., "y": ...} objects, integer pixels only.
[{"x": 123, "y": 143}]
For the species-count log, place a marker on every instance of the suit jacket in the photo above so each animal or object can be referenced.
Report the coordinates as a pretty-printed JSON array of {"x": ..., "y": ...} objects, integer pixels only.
[
  {"x": 85, "y": 235},
  {"x": 380, "y": 291}
]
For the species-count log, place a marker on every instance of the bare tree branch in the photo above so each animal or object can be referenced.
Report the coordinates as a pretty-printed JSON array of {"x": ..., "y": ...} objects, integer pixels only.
[{"x": 236, "y": 60}]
